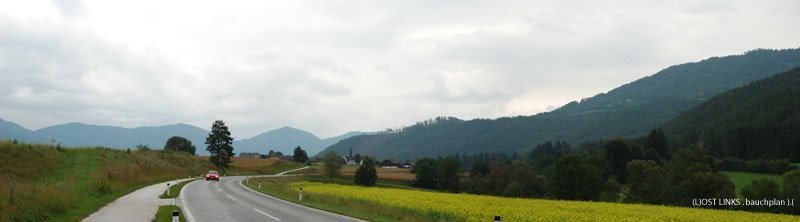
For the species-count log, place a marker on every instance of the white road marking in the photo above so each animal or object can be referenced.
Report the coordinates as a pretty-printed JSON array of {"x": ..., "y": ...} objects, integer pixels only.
[
  {"x": 220, "y": 190},
  {"x": 185, "y": 207},
  {"x": 229, "y": 196},
  {"x": 186, "y": 212},
  {"x": 265, "y": 214}
]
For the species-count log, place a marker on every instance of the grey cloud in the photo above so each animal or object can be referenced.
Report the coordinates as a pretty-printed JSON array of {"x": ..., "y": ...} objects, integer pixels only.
[
  {"x": 332, "y": 67},
  {"x": 74, "y": 74}
]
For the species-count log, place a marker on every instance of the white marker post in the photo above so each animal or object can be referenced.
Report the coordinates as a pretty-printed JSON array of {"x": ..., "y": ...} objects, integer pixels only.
[
  {"x": 167, "y": 189},
  {"x": 496, "y": 218},
  {"x": 301, "y": 194},
  {"x": 176, "y": 216}
]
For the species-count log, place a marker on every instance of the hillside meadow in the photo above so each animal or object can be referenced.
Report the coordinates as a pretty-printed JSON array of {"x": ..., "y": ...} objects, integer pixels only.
[{"x": 49, "y": 183}]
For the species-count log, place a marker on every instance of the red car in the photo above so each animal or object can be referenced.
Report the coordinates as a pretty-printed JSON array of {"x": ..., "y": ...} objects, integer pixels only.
[{"x": 212, "y": 175}]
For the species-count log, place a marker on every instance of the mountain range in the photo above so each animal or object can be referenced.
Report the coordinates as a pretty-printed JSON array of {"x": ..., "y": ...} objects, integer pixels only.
[
  {"x": 11, "y": 130},
  {"x": 79, "y": 134},
  {"x": 630, "y": 110},
  {"x": 286, "y": 139}
]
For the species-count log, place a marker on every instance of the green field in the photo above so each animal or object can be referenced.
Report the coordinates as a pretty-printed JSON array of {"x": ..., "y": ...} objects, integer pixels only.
[{"x": 741, "y": 179}]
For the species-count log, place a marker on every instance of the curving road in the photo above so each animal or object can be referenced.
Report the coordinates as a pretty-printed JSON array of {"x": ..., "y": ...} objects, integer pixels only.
[{"x": 229, "y": 200}]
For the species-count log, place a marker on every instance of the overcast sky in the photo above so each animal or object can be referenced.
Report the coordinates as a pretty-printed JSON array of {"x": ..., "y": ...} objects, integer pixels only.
[{"x": 329, "y": 67}]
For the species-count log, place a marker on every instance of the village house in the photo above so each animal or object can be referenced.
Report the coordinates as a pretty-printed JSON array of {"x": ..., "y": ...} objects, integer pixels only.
[{"x": 387, "y": 163}]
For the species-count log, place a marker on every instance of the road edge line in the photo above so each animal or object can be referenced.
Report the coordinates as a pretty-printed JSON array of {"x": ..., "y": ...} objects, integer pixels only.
[
  {"x": 289, "y": 202},
  {"x": 184, "y": 206}
]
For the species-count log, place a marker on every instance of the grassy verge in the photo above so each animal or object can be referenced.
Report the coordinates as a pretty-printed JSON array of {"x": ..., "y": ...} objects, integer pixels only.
[
  {"x": 164, "y": 213},
  {"x": 175, "y": 189},
  {"x": 278, "y": 187},
  {"x": 741, "y": 179}
]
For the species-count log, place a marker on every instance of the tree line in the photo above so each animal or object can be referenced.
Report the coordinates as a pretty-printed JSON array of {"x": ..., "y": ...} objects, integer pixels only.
[
  {"x": 619, "y": 170},
  {"x": 220, "y": 146}
]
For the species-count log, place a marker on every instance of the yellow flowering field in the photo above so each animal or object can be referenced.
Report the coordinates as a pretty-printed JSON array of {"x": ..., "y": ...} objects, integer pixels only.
[{"x": 483, "y": 208}]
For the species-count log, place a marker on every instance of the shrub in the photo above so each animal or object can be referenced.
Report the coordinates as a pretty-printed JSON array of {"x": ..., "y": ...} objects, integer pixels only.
[
  {"x": 100, "y": 184},
  {"x": 761, "y": 189},
  {"x": 647, "y": 181},
  {"x": 611, "y": 190},
  {"x": 366, "y": 175},
  {"x": 791, "y": 186}
]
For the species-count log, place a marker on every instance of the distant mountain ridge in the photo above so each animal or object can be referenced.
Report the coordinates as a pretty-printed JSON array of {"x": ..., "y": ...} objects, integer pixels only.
[
  {"x": 81, "y": 134},
  {"x": 286, "y": 139},
  {"x": 627, "y": 111},
  {"x": 11, "y": 130}
]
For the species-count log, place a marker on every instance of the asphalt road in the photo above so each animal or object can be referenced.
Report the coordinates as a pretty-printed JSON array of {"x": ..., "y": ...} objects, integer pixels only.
[{"x": 229, "y": 200}]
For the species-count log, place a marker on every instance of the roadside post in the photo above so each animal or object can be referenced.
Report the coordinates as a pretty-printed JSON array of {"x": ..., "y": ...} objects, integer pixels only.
[
  {"x": 167, "y": 189},
  {"x": 176, "y": 216},
  {"x": 259, "y": 185},
  {"x": 301, "y": 194},
  {"x": 496, "y": 218}
]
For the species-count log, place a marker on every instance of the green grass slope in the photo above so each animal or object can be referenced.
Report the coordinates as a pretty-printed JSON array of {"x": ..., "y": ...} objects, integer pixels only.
[{"x": 42, "y": 183}]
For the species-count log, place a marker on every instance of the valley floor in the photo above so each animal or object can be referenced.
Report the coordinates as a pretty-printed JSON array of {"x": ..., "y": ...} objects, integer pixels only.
[{"x": 389, "y": 204}]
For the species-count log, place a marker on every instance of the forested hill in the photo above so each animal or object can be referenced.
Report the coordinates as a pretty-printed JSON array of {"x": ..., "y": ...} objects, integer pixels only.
[
  {"x": 761, "y": 119},
  {"x": 627, "y": 111}
]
